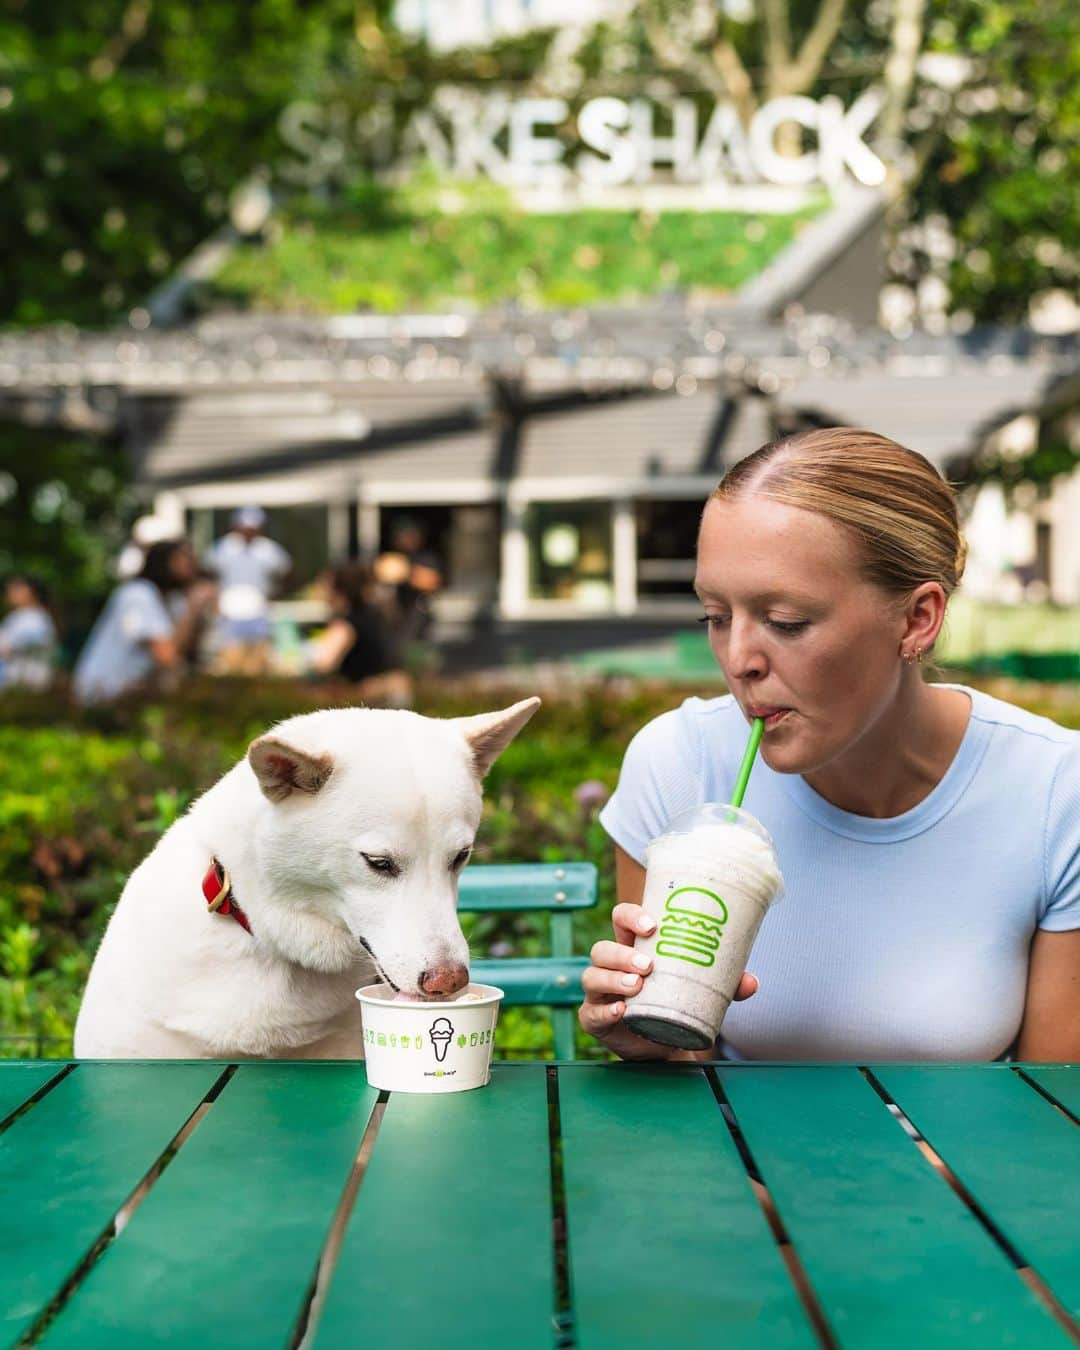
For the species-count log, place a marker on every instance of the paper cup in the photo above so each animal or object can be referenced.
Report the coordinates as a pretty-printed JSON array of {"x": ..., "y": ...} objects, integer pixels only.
[{"x": 441, "y": 1046}]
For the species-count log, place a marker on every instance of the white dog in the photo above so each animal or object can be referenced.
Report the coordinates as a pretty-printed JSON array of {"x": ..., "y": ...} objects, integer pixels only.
[{"x": 328, "y": 858}]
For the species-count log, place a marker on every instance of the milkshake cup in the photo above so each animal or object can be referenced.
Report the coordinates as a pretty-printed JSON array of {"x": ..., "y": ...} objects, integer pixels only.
[{"x": 710, "y": 879}]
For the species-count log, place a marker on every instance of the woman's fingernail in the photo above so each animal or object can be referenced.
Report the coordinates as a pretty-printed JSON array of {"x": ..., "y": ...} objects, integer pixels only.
[
  {"x": 629, "y": 981},
  {"x": 641, "y": 961},
  {"x": 616, "y": 1010},
  {"x": 646, "y": 925}
]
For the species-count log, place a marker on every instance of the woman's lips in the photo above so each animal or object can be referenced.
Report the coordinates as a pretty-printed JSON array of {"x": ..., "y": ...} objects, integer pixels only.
[{"x": 771, "y": 716}]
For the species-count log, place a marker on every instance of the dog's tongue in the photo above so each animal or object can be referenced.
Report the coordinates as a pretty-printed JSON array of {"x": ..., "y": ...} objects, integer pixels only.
[{"x": 467, "y": 997}]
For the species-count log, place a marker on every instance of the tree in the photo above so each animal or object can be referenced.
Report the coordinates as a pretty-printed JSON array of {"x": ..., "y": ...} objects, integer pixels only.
[
  {"x": 128, "y": 124},
  {"x": 66, "y": 507},
  {"x": 990, "y": 214},
  {"x": 792, "y": 65},
  {"x": 995, "y": 213}
]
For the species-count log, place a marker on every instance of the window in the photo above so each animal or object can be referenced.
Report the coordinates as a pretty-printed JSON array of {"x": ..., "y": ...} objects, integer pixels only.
[
  {"x": 463, "y": 540},
  {"x": 570, "y": 552},
  {"x": 666, "y": 542}
]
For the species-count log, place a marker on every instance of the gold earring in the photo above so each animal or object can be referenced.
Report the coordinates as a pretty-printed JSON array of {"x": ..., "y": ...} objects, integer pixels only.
[{"x": 918, "y": 655}]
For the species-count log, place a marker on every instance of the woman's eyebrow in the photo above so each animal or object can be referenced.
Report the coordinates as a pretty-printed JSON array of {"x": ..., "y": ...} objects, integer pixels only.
[{"x": 763, "y": 597}]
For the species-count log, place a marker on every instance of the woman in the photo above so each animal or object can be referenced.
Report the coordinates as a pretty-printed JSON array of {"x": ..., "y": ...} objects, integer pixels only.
[
  {"x": 929, "y": 834},
  {"x": 149, "y": 626},
  {"x": 358, "y": 643},
  {"x": 27, "y": 635}
]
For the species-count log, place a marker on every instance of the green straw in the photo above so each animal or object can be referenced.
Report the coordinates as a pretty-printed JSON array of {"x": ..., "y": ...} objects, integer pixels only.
[{"x": 747, "y": 761}]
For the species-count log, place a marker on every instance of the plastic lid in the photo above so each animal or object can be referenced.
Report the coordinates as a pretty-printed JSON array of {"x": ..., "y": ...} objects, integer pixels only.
[{"x": 711, "y": 815}]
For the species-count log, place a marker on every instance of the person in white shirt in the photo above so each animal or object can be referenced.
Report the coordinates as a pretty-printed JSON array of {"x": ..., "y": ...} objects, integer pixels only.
[
  {"x": 929, "y": 834},
  {"x": 149, "y": 626},
  {"x": 250, "y": 568},
  {"x": 28, "y": 639}
]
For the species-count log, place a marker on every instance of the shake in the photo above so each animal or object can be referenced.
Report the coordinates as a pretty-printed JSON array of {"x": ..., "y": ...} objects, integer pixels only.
[{"x": 710, "y": 879}]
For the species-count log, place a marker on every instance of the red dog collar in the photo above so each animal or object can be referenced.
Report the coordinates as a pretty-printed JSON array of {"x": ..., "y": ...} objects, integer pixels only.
[{"x": 217, "y": 888}]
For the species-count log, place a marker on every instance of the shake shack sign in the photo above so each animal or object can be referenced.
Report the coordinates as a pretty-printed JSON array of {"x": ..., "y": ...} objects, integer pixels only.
[{"x": 607, "y": 142}]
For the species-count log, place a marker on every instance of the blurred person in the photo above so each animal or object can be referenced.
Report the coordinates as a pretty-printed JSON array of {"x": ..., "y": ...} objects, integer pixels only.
[
  {"x": 150, "y": 626},
  {"x": 28, "y": 638},
  {"x": 414, "y": 572},
  {"x": 147, "y": 530},
  {"x": 359, "y": 642},
  {"x": 250, "y": 568}
]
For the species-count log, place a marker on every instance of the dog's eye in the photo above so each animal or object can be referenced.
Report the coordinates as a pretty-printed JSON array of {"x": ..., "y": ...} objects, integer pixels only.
[
  {"x": 460, "y": 859},
  {"x": 386, "y": 867}
]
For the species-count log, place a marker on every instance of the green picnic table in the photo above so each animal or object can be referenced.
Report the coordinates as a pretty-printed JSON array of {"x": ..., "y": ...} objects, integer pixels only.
[{"x": 583, "y": 1204}]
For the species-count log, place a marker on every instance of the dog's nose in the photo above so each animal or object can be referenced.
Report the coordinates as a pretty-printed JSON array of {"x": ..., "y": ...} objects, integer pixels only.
[{"x": 446, "y": 979}]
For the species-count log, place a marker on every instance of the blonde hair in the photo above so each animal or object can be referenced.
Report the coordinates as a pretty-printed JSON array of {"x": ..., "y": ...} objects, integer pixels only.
[{"x": 894, "y": 501}]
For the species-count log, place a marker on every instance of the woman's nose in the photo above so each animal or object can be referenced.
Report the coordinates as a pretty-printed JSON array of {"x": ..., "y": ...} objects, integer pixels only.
[{"x": 746, "y": 660}]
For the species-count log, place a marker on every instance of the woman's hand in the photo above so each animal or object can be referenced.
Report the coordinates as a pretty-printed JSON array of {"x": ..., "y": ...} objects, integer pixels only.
[{"x": 616, "y": 974}]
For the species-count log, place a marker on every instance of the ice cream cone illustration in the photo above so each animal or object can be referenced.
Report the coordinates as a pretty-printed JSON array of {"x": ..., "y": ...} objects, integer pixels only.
[{"x": 440, "y": 1033}]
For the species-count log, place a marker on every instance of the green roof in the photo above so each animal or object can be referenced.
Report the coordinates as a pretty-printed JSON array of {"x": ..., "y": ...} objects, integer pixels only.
[{"x": 394, "y": 252}]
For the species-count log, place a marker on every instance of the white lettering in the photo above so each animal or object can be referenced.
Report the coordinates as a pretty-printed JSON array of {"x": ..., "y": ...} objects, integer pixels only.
[
  {"x": 303, "y": 129},
  {"x": 535, "y": 159},
  {"x": 773, "y": 166},
  {"x": 842, "y": 143},
  {"x": 599, "y": 122},
  {"x": 676, "y": 149},
  {"x": 724, "y": 141},
  {"x": 475, "y": 129},
  {"x": 468, "y": 135},
  {"x": 422, "y": 135}
]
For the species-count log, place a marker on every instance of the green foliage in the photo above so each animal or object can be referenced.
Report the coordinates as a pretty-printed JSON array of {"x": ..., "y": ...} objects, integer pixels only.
[
  {"x": 1004, "y": 167},
  {"x": 1045, "y": 463},
  {"x": 129, "y": 123},
  {"x": 86, "y": 798},
  {"x": 66, "y": 510},
  {"x": 391, "y": 251}
]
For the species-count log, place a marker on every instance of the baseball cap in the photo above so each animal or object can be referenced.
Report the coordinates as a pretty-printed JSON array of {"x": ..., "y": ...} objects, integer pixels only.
[{"x": 249, "y": 518}]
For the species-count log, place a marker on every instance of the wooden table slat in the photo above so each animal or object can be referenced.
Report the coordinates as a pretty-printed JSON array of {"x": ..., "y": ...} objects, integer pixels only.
[
  {"x": 1062, "y": 1082},
  {"x": 893, "y": 1254},
  {"x": 68, "y": 1165},
  {"x": 667, "y": 1244},
  {"x": 19, "y": 1082},
  {"x": 450, "y": 1239},
  {"x": 240, "y": 1215},
  {"x": 1018, "y": 1157}
]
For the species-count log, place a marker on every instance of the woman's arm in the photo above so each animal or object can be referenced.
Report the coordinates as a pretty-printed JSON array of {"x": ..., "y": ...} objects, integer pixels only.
[
  {"x": 331, "y": 649},
  {"x": 199, "y": 603},
  {"x": 165, "y": 652},
  {"x": 1050, "y": 1031}
]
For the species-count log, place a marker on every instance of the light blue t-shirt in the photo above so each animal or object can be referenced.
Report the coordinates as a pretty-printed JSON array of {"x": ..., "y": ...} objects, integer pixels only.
[
  {"x": 898, "y": 939},
  {"x": 117, "y": 653},
  {"x": 27, "y": 647}
]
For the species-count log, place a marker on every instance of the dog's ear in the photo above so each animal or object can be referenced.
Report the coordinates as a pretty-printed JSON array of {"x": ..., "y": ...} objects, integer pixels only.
[
  {"x": 488, "y": 734},
  {"x": 283, "y": 769}
]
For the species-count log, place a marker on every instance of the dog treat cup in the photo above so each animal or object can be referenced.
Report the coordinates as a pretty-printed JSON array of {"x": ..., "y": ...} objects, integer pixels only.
[
  {"x": 710, "y": 879},
  {"x": 439, "y": 1046}
]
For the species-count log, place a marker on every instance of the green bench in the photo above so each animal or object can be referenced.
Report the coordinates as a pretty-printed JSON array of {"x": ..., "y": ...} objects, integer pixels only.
[{"x": 535, "y": 981}]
